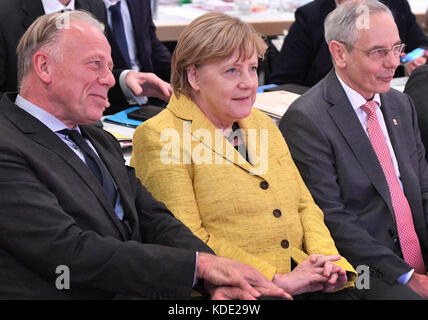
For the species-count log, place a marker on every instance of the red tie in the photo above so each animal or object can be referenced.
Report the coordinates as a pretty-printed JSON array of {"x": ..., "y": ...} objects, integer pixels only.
[{"x": 409, "y": 241}]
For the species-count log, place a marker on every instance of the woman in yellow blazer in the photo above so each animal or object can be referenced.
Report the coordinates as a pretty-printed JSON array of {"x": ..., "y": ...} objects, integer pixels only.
[{"x": 224, "y": 168}]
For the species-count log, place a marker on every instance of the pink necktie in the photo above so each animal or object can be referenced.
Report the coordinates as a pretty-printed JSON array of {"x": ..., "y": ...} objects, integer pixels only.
[{"x": 409, "y": 241}]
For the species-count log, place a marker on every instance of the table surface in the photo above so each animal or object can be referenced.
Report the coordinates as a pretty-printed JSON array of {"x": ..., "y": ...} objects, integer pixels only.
[{"x": 172, "y": 19}]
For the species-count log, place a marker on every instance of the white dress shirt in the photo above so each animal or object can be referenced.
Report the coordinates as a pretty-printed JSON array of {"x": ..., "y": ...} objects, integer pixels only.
[{"x": 51, "y": 6}]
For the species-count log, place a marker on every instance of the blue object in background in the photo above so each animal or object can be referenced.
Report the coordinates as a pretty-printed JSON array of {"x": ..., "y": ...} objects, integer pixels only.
[
  {"x": 122, "y": 118},
  {"x": 266, "y": 86}
]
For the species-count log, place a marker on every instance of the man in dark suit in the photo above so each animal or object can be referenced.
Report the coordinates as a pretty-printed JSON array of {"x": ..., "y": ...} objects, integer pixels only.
[
  {"x": 357, "y": 145},
  {"x": 305, "y": 59},
  {"x": 417, "y": 89},
  {"x": 17, "y": 15},
  {"x": 144, "y": 52},
  {"x": 67, "y": 200}
]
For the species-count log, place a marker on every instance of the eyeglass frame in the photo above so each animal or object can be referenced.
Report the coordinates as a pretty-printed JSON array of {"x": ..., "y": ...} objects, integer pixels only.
[{"x": 370, "y": 53}]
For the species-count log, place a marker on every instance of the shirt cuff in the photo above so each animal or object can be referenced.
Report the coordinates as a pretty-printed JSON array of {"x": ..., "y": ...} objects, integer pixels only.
[
  {"x": 195, "y": 279},
  {"x": 131, "y": 98},
  {"x": 404, "y": 278}
]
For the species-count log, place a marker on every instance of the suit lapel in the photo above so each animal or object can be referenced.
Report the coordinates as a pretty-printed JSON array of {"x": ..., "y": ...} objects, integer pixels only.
[
  {"x": 350, "y": 127},
  {"x": 390, "y": 114},
  {"x": 82, "y": 5},
  {"x": 42, "y": 135},
  {"x": 200, "y": 123},
  {"x": 198, "y": 127},
  {"x": 33, "y": 9},
  {"x": 119, "y": 175},
  {"x": 393, "y": 123}
]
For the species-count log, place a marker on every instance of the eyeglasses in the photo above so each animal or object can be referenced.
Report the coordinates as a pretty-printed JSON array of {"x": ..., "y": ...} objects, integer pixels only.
[{"x": 381, "y": 53}]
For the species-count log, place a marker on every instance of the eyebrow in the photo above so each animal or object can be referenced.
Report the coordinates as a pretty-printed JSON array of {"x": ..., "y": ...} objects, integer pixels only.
[
  {"x": 382, "y": 47},
  {"x": 110, "y": 63}
]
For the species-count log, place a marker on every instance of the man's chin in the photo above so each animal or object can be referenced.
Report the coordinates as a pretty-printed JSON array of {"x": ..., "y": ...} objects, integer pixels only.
[{"x": 384, "y": 88}]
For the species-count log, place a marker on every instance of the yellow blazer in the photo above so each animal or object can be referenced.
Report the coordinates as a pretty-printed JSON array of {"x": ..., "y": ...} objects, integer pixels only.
[{"x": 259, "y": 214}]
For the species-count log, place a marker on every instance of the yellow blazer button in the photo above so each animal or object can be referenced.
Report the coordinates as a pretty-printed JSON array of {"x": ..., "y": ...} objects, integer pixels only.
[
  {"x": 285, "y": 244},
  {"x": 264, "y": 185}
]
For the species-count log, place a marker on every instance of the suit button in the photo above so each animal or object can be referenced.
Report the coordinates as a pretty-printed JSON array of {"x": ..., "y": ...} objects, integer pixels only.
[
  {"x": 285, "y": 244},
  {"x": 277, "y": 213},
  {"x": 264, "y": 185}
]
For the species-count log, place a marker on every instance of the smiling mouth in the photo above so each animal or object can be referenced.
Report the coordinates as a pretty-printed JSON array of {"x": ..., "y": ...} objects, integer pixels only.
[
  {"x": 104, "y": 98},
  {"x": 100, "y": 96},
  {"x": 241, "y": 98}
]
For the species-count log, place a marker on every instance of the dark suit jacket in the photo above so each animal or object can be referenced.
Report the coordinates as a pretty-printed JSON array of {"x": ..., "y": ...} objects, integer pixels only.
[
  {"x": 54, "y": 212},
  {"x": 305, "y": 59},
  {"x": 15, "y": 18},
  {"x": 417, "y": 89},
  {"x": 152, "y": 54},
  {"x": 341, "y": 170}
]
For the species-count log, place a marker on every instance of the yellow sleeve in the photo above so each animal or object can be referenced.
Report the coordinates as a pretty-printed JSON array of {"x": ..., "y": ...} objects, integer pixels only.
[{"x": 172, "y": 184}]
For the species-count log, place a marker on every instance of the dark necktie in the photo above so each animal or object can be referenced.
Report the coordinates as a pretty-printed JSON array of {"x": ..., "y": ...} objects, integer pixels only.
[
  {"x": 95, "y": 164},
  {"x": 119, "y": 31}
]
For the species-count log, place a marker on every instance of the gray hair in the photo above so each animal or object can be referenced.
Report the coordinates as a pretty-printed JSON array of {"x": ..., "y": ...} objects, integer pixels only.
[
  {"x": 44, "y": 34},
  {"x": 342, "y": 23}
]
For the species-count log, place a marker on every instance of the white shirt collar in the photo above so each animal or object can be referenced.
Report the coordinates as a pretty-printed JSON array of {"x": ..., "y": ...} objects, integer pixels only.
[
  {"x": 52, "y": 6},
  {"x": 356, "y": 99},
  {"x": 109, "y": 3},
  {"x": 43, "y": 116}
]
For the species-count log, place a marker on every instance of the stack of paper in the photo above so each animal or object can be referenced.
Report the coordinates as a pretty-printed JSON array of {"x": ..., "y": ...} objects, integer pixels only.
[
  {"x": 275, "y": 103},
  {"x": 124, "y": 141}
]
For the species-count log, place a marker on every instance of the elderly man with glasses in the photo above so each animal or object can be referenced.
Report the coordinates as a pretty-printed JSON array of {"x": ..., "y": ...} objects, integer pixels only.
[{"x": 357, "y": 144}]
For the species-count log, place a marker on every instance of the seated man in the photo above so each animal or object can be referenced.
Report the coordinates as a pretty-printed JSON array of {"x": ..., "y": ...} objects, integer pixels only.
[
  {"x": 305, "y": 59},
  {"x": 69, "y": 201},
  {"x": 135, "y": 46},
  {"x": 16, "y": 17},
  {"x": 357, "y": 145}
]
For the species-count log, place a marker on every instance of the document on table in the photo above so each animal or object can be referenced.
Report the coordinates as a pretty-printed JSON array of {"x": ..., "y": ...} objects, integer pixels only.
[{"x": 275, "y": 103}]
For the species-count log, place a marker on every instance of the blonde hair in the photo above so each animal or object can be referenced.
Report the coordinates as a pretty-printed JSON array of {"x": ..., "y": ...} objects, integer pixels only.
[
  {"x": 212, "y": 37},
  {"x": 44, "y": 33}
]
